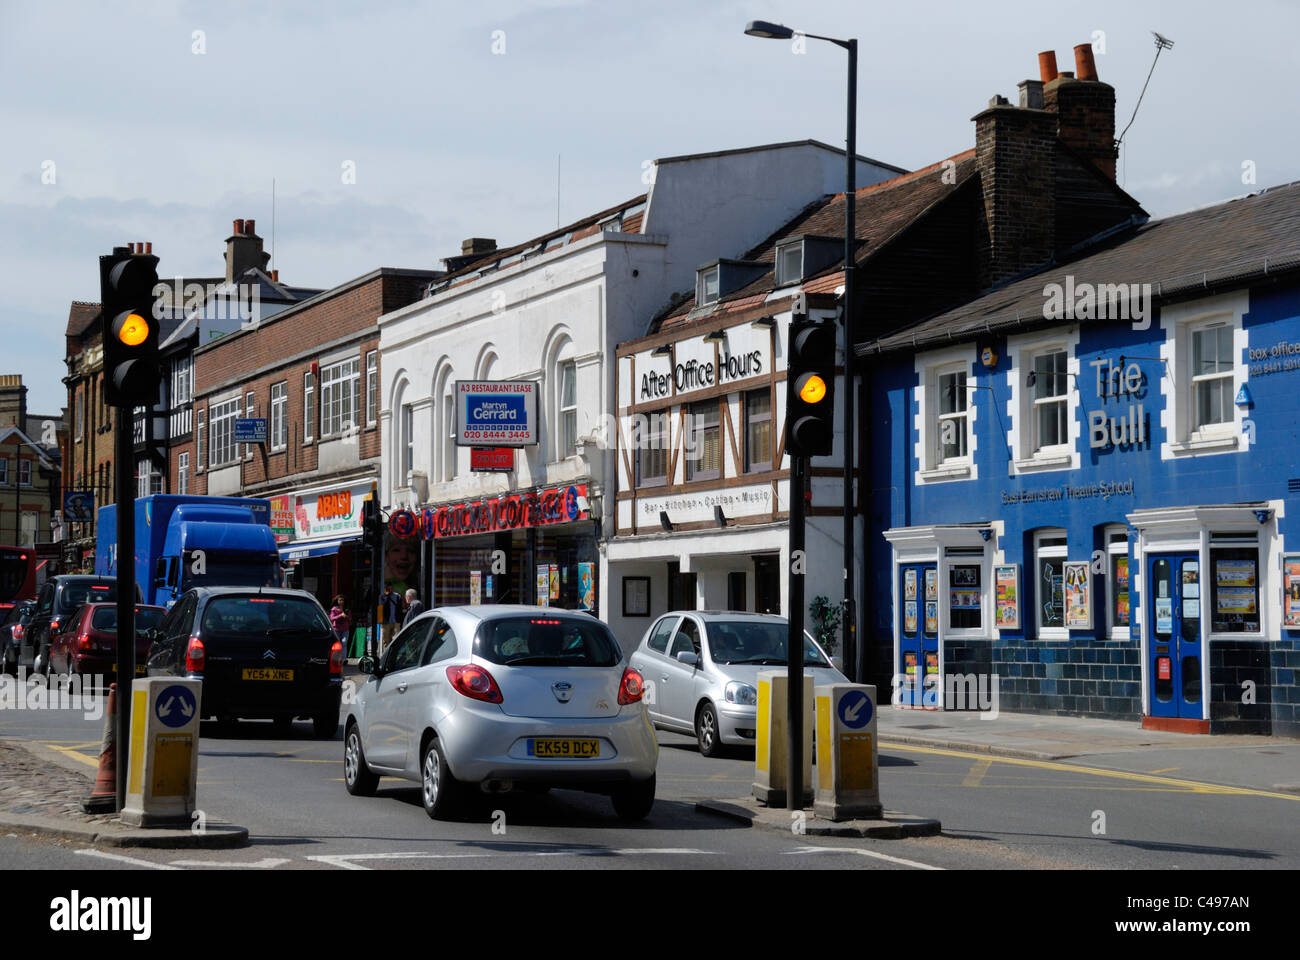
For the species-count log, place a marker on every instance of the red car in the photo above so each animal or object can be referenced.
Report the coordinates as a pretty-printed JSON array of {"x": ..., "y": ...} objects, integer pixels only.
[{"x": 87, "y": 646}]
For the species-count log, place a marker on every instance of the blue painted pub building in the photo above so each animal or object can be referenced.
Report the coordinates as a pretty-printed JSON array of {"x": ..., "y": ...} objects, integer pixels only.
[{"x": 1087, "y": 482}]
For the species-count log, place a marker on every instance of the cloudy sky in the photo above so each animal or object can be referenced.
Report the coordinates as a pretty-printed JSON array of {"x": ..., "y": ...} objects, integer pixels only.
[{"x": 121, "y": 123}]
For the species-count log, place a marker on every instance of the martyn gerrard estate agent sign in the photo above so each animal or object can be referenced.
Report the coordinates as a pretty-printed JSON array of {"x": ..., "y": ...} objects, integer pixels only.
[{"x": 496, "y": 413}]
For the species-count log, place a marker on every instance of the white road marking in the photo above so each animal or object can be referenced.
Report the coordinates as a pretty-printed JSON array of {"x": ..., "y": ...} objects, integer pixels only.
[
  {"x": 348, "y": 861},
  {"x": 121, "y": 859},
  {"x": 865, "y": 853},
  {"x": 266, "y": 863}
]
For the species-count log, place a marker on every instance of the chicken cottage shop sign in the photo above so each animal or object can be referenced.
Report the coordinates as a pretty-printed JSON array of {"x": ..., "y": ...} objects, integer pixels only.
[{"x": 492, "y": 514}]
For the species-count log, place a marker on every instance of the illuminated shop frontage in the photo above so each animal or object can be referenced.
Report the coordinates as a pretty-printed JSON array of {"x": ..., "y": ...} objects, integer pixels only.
[{"x": 535, "y": 547}]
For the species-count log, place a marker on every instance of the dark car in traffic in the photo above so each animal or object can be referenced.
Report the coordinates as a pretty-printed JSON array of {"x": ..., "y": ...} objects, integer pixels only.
[
  {"x": 263, "y": 653},
  {"x": 59, "y": 598},
  {"x": 87, "y": 646},
  {"x": 11, "y": 634}
]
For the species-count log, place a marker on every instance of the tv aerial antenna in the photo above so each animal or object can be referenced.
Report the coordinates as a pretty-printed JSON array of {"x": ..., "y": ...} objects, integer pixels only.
[{"x": 1162, "y": 43}]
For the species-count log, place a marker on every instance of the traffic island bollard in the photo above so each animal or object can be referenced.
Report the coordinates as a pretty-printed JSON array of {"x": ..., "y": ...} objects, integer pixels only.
[
  {"x": 848, "y": 784},
  {"x": 164, "y": 752},
  {"x": 772, "y": 739}
]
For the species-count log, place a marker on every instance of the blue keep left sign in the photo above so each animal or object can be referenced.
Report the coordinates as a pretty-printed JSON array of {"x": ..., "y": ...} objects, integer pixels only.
[
  {"x": 855, "y": 709},
  {"x": 175, "y": 706}
]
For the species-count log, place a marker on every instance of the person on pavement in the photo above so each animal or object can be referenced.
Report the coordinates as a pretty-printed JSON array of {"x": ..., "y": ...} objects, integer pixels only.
[
  {"x": 391, "y": 605},
  {"x": 413, "y": 607},
  {"x": 341, "y": 622}
]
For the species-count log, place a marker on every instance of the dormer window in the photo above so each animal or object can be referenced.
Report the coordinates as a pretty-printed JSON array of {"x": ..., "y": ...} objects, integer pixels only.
[
  {"x": 707, "y": 286},
  {"x": 789, "y": 263}
]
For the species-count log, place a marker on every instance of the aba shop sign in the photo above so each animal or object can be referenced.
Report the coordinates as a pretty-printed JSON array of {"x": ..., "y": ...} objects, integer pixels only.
[{"x": 491, "y": 514}]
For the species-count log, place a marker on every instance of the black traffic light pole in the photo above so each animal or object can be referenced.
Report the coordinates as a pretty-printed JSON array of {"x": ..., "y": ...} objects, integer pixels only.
[
  {"x": 794, "y": 638},
  {"x": 127, "y": 282},
  {"x": 123, "y": 454}
]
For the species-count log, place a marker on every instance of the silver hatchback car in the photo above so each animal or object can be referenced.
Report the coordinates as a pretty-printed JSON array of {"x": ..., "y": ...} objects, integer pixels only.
[
  {"x": 492, "y": 697},
  {"x": 701, "y": 670}
]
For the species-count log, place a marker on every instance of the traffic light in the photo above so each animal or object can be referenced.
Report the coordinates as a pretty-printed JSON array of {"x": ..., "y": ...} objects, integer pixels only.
[
  {"x": 126, "y": 293},
  {"x": 372, "y": 530},
  {"x": 810, "y": 389}
]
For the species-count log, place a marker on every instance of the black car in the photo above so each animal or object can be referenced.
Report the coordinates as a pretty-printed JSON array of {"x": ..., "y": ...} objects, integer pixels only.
[
  {"x": 57, "y": 601},
  {"x": 11, "y": 634},
  {"x": 261, "y": 654}
]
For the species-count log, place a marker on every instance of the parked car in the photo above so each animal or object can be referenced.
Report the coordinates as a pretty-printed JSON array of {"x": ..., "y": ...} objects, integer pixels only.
[
  {"x": 487, "y": 698},
  {"x": 265, "y": 653},
  {"x": 704, "y": 666},
  {"x": 87, "y": 646},
  {"x": 11, "y": 634},
  {"x": 56, "y": 602}
]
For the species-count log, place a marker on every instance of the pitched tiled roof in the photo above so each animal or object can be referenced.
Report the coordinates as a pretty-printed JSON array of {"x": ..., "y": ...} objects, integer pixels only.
[
  {"x": 80, "y": 316},
  {"x": 1227, "y": 243},
  {"x": 883, "y": 211}
]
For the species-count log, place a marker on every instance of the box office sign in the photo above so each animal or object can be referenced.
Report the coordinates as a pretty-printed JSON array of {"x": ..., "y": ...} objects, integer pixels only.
[
  {"x": 329, "y": 513},
  {"x": 496, "y": 413},
  {"x": 492, "y": 514}
]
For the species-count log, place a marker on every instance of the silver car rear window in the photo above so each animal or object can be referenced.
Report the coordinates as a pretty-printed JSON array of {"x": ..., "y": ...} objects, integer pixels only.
[{"x": 547, "y": 642}]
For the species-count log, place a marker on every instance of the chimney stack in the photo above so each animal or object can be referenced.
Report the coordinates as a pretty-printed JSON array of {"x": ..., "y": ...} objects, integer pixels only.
[
  {"x": 244, "y": 250},
  {"x": 1047, "y": 66},
  {"x": 477, "y": 245},
  {"x": 1085, "y": 108}
]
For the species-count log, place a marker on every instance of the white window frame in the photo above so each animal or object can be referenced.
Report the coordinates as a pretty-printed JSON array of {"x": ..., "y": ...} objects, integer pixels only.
[
  {"x": 954, "y": 556},
  {"x": 783, "y": 277},
  {"x": 702, "y": 283},
  {"x": 1180, "y": 321},
  {"x": 250, "y": 404},
  {"x": 339, "y": 392},
  {"x": 652, "y": 445},
  {"x": 81, "y": 410},
  {"x": 29, "y": 525},
  {"x": 279, "y": 433},
  {"x": 223, "y": 414},
  {"x": 930, "y": 368},
  {"x": 183, "y": 473},
  {"x": 1022, "y": 409},
  {"x": 1219, "y": 427},
  {"x": 1049, "y": 552},
  {"x": 24, "y": 472},
  {"x": 448, "y": 438},
  {"x": 1060, "y": 401},
  {"x": 200, "y": 438},
  {"x": 1112, "y": 548},
  {"x": 182, "y": 380},
  {"x": 567, "y": 415},
  {"x": 408, "y": 443},
  {"x": 372, "y": 388},
  {"x": 308, "y": 408}
]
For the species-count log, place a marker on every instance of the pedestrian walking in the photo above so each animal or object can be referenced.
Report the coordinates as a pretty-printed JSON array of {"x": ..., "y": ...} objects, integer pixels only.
[
  {"x": 413, "y": 607},
  {"x": 391, "y": 606},
  {"x": 341, "y": 622}
]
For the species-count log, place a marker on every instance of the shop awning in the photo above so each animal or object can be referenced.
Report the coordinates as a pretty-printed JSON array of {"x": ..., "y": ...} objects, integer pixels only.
[{"x": 301, "y": 551}]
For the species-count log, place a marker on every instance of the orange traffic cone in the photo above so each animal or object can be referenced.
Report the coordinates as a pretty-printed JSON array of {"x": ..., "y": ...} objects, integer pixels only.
[{"x": 103, "y": 796}]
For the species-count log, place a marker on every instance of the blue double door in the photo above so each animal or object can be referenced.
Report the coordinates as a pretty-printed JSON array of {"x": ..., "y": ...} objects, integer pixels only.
[
  {"x": 1175, "y": 601},
  {"x": 918, "y": 631}
]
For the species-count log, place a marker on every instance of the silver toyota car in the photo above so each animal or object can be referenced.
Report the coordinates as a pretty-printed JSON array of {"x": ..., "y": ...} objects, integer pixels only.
[
  {"x": 487, "y": 698},
  {"x": 701, "y": 670}
]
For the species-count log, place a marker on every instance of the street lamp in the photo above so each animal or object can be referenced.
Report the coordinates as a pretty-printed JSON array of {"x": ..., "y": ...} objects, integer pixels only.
[{"x": 776, "y": 31}]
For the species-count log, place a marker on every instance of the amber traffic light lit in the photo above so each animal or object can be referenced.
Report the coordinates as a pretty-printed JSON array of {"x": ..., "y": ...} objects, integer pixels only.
[
  {"x": 813, "y": 389},
  {"x": 133, "y": 330}
]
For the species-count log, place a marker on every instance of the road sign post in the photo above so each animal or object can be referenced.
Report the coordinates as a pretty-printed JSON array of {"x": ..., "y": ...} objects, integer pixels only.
[
  {"x": 164, "y": 753},
  {"x": 848, "y": 782}
]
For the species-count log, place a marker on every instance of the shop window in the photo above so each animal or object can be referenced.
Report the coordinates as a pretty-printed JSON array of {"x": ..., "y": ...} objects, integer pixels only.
[
  {"x": 758, "y": 431},
  {"x": 704, "y": 456},
  {"x": 1234, "y": 584},
  {"x": 650, "y": 441},
  {"x": 1118, "y": 583},
  {"x": 1049, "y": 565},
  {"x": 965, "y": 589}
]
